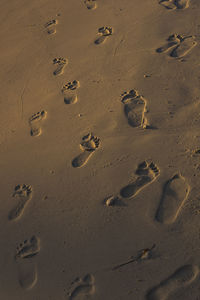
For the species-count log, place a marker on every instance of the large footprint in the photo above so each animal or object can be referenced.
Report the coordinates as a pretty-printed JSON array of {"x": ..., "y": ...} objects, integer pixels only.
[
  {"x": 179, "y": 279},
  {"x": 85, "y": 287},
  {"x": 90, "y": 4},
  {"x": 60, "y": 63},
  {"x": 135, "y": 107},
  {"x": 35, "y": 121},
  {"x": 175, "y": 4},
  {"x": 147, "y": 173},
  {"x": 104, "y": 33},
  {"x": 23, "y": 194},
  {"x": 88, "y": 146},
  {"x": 68, "y": 90},
  {"x": 174, "y": 195},
  {"x": 27, "y": 269}
]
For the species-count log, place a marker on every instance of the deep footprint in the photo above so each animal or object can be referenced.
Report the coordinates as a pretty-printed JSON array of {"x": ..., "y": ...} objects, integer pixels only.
[
  {"x": 175, "y": 193},
  {"x": 68, "y": 90},
  {"x": 51, "y": 26},
  {"x": 179, "y": 279},
  {"x": 88, "y": 145},
  {"x": 35, "y": 121},
  {"x": 135, "y": 108},
  {"x": 84, "y": 288},
  {"x": 23, "y": 194},
  {"x": 104, "y": 33},
  {"x": 27, "y": 269},
  {"x": 60, "y": 65},
  {"x": 90, "y": 4},
  {"x": 147, "y": 173}
]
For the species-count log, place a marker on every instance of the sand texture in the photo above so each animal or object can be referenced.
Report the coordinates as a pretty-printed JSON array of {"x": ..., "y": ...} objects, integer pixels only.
[{"x": 100, "y": 150}]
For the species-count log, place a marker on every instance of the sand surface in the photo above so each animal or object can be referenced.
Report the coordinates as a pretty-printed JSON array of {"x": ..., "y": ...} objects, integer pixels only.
[{"x": 100, "y": 150}]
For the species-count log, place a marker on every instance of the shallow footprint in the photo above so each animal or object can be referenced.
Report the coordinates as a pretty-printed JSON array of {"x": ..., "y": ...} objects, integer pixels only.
[
  {"x": 61, "y": 64},
  {"x": 51, "y": 26},
  {"x": 147, "y": 173},
  {"x": 135, "y": 108},
  {"x": 104, "y": 33},
  {"x": 90, "y": 4},
  {"x": 84, "y": 288},
  {"x": 175, "y": 193},
  {"x": 70, "y": 97},
  {"x": 172, "y": 41},
  {"x": 186, "y": 45},
  {"x": 27, "y": 269},
  {"x": 179, "y": 279},
  {"x": 34, "y": 122},
  {"x": 88, "y": 145},
  {"x": 23, "y": 194}
]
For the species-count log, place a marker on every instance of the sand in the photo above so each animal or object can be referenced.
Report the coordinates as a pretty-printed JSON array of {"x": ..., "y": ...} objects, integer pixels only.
[{"x": 100, "y": 145}]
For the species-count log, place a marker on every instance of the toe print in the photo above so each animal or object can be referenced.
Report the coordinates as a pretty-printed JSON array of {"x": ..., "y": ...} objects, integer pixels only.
[
  {"x": 35, "y": 121},
  {"x": 69, "y": 92},
  {"x": 135, "y": 108},
  {"x": 28, "y": 248},
  {"x": 22, "y": 194},
  {"x": 60, "y": 64},
  {"x": 90, "y": 4},
  {"x": 147, "y": 173},
  {"x": 88, "y": 146},
  {"x": 104, "y": 33}
]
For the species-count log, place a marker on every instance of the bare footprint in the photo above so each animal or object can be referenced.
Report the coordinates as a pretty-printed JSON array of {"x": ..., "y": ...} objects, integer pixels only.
[
  {"x": 68, "y": 90},
  {"x": 51, "y": 26},
  {"x": 90, "y": 4},
  {"x": 147, "y": 173},
  {"x": 186, "y": 45},
  {"x": 60, "y": 65},
  {"x": 172, "y": 41},
  {"x": 88, "y": 146},
  {"x": 27, "y": 269},
  {"x": 135, "y": 108},
  {"x": 175, "y": 193},
  {"x": 104, "y": 33},
  {"x": 23, "y": 194},
  {"x": 35, "y": 121},
  {"x": 181, "y": 278},
  {"x": 175, "y": 4},
  {"x": 85, "y": 287},
  {"x": 113, "y": 201}
]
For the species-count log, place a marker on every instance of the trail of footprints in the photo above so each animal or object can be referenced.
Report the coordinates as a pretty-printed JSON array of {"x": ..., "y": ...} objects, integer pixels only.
[{"x": 175, "y": 191}]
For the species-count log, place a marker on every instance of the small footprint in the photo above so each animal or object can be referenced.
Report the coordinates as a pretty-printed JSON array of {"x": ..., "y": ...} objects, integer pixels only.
[
  {"x": 70, "y": 97},
  {"x": 175, "y": 4},
  {"x": 147, "y": 173},
  {"x": 104, "y": 33},
  {"x": 175, "y": 193},
  {"x": 181, "y": 278},
  {"x": 35, "y": 121},
  {"x": 60, "y": 65},
  {"x": 51, "y": 26},
  {"x": 178, "y": 46},
  {"x": 23, "y": 194},
  {"x": 85, "y": 287},
  {"x": 27, "y": 269},
  {"x": 88, "y": 146},
  {"x": 90, "y": 4}
]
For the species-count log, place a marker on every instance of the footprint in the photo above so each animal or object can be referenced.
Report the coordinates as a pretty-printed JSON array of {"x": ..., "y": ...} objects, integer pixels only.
[
  {"x": 175, "y": 4},
  {"x": 113, "y": 201},
  {"x": 70, "y": 97},
  {"x": 60, "y": 64},
  {"x": 147, "y": 173},
  {"x": 90, "y": 4},
  {"x": 178, "y": 46},
  {"x": 23, "y": 193},
  {"x": 104, "y": 33},
  {"x": 84, "y": 288},
  {"x": 34, "y": 122},
  {"x": 27, "y": 270},
  {"x": 135, "y": 108},
  {"x": 175, "y": 193},
  {"x": 179, "y": 279},
  {"x": 186, "y": 45},
  {"x": 51, "y": 26},
  {"x": 88, "y": 146}
]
